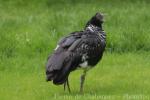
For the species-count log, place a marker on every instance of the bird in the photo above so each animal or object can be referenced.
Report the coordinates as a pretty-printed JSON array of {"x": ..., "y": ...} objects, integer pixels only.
[{"x": 79, "y": 50}]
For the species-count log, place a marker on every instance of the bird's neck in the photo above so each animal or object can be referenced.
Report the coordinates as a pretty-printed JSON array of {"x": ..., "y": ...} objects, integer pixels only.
[
  {"x": 93, "y": 28},
  {"x": 97, "y": 30}
]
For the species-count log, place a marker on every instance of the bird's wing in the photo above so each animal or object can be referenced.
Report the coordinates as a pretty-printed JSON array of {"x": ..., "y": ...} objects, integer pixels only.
[
  {"x": 62, "y": 60},
  {"x": 69, "y": 40}
]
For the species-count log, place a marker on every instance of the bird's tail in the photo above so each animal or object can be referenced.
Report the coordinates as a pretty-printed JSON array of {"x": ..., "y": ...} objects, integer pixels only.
[{"x": 58, "y": 68}]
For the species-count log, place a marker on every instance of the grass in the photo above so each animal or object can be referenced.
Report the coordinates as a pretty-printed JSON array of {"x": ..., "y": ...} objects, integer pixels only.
[
  {"x": 29, "y": 31},
  {"x": 35, "y": 26},
  {"x": 129, "y": 75}
]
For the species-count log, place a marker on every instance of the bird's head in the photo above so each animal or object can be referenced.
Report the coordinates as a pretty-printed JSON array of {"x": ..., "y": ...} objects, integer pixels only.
[{"x": 96, "y": 20}]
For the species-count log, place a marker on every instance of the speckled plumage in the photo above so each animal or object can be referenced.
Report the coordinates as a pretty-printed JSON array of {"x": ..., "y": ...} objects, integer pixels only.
[{"x": 78, "y": 50}]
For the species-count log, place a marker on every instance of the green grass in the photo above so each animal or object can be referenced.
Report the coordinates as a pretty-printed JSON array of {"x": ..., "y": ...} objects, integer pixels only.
[
  {"x": 35, "y": 26},
  {"x": 116, "y": 76},
  {"x": 30, "y": 29}
]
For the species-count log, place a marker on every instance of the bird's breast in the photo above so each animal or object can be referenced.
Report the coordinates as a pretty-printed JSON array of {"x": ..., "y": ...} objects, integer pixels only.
[{"x": 84, "y": 65}]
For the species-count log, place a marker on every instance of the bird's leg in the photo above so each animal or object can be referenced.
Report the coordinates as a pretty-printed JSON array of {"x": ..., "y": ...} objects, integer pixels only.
[
  {"x": 68, "y": 86},
  {"x": 82, "y": 81},
  {"x": 64, "y": 86}
]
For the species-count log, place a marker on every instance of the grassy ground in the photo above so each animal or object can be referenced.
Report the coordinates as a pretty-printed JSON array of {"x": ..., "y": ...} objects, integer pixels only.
[
  {"x": 33, "y": 27},
  {"x": 117, "y": 77},
  {"x": 29, "y": 31}
]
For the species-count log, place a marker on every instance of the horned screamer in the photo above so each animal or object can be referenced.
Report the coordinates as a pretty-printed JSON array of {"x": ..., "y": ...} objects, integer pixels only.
[{"x": 80, "y": 50}]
